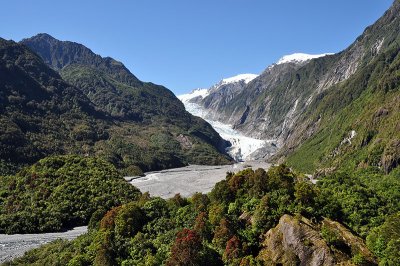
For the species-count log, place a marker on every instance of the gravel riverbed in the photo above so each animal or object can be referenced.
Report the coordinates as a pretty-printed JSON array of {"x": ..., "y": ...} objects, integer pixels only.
[
  {"x": 188, "y": 180},
  {"x": 13, "y": 246}
]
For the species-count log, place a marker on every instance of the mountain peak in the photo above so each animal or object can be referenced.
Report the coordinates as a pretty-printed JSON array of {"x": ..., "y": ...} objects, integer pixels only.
[
  {"x": 60, "y": 54},
  {"x": 44, "y": 36},
  {"x": 299, "y": 57}
]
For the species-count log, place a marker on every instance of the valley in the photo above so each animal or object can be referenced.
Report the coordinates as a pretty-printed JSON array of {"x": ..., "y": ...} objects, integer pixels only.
[{"x": 296, "y": 165}]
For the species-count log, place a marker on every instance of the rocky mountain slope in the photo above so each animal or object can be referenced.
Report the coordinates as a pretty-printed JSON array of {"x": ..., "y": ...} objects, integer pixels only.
[
  {"x": 355, "y": 122},
  {"x": 215, "y": 99},
  {"x": 315, "y": 105},
  {"x": 93, "y": 106}
]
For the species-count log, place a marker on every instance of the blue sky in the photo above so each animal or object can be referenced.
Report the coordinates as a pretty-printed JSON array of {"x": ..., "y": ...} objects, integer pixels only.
[{"x": 185, "y": 44}]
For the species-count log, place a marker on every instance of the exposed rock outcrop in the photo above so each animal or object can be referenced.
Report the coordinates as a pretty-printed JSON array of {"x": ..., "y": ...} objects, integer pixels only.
[{"x": 298, "y": 241}]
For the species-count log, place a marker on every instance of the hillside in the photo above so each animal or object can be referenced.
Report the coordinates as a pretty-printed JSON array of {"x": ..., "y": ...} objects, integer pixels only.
[
  {"x": 93, "y": 109},
  {"x": 356, "y": 122}
]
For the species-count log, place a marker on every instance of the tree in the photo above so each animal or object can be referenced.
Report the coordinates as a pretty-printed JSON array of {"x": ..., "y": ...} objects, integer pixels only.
[
  {"x": 233, "y": 249},
  {"x": 384, "y": 241},
  {"x": 186, "y": 249},
  {"x": 202, "y": 226},
  {"x": 222, "y": 234},
  {"x": 305, "y": 192}
]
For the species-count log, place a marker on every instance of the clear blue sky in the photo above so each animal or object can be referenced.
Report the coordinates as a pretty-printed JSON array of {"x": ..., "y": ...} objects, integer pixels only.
[{"x": 185, "y": 44}]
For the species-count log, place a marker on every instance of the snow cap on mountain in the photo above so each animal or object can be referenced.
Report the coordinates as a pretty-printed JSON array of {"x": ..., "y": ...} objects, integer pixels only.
[
  {"x": 245, "y": 77},
  {"x": 299, "y": 57},
  {"x": 195, "y": 93}
]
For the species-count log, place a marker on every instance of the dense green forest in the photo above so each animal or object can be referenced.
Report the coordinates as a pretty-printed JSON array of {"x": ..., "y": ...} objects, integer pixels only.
[
  {"x": 59, "y": 193},
  {"x": 229, "y": 225}
]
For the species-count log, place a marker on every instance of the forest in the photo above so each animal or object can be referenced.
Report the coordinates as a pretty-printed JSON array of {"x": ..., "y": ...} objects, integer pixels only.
[{"x": 230, "y": 225}]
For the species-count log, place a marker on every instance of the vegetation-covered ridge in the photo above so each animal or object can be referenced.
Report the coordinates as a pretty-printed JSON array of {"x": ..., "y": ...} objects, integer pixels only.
[
  {"x": 134, "y": 125},
  {"x": 59, "y": 193},
  {"x": 247, "y": 219}
]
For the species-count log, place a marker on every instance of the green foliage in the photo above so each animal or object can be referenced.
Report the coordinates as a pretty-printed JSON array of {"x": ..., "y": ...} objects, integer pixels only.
[
  {"x": 384, "y": 241},
  {"x": 217, "y": 229},
  {"x": 61, "y": 192},
  {"x": 331, "y": 237},
  {"x": 361, "y": 200},
  {"x": 364, "y": 103}
]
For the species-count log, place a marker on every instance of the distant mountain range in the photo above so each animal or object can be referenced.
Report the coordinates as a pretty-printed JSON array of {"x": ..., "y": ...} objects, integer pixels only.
[{"x": 58, "y": 97}]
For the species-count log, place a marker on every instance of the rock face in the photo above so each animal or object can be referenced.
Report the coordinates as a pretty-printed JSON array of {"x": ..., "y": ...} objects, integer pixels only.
[
  {"x": 298, "y": 241},
  {"x": 271, "y": 104},
  {"x": 218, "y": 97},
  {"x": 243, "y": 148}
]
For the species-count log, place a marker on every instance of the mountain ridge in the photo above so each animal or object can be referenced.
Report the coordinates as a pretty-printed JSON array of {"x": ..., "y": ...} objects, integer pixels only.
[{"x": 84, "y": 110}]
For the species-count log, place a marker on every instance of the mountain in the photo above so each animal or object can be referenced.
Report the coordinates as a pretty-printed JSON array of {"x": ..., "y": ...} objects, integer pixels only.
[
  {"x": 36, "y": 118},
  {"x": 232, "y": 102},
  {"x": 326, "y": 110},
  {"x": 85, "y": 104},
  {"x": 355, "y": 122},
  {"x": 105, "y": 81},
  {"x": 205, "y": 103},
  {"x": 219, "y": 95}
]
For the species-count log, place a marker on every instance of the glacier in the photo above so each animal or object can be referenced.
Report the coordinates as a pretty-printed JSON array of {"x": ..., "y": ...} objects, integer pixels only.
[{"x": 243, "y": 148}]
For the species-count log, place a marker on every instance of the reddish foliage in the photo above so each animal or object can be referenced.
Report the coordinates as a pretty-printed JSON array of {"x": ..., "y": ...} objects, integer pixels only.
[
  {"x": 108, "y": 220},
  {"x": 200, "y": 223},
  {"x": 185, "y": 250},
  {"x": 222, "y": 234},
  {"x": 236, "y": 182},
  {"x": 233, "y": 249}
]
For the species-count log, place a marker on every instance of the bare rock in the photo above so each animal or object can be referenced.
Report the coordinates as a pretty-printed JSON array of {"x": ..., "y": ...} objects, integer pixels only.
[
  {"x": 184, "y": 141},
  {"x": 298, "y": 241},
  {"x": 391, "y": 156}
]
